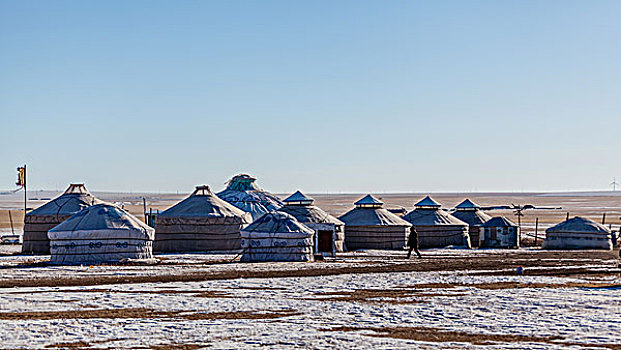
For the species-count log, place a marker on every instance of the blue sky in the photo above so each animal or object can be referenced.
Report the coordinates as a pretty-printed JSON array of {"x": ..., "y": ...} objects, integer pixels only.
[{"x": 347, "y": 96}]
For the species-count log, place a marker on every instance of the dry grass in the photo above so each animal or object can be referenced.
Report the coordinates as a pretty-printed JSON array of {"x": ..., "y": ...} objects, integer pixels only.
[
  {"x": 388, "y": 296},
  {"x": 512, "y": 285},
  {"x": 428, "y": 334},
  {"x": 496, "y": 264},
  {"x": 143, "y": 313},
  {"x": 176, "y": 346},
  {"x": 194, "y": 293}
]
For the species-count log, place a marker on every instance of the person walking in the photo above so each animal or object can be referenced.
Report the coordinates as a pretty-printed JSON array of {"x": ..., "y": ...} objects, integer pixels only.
[{"x": 413, "y": 243}]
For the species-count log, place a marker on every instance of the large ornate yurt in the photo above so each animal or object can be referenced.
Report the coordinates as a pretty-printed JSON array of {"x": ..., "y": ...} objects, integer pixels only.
[
  {"x": 500, "y": 232},
  {"x": 100, "y": 233},
  {"x": 436, "y": 228},
  {"x": 329, "y": 231},
  {"x": 243, "y": 192},
  {"x": 578, "y": 233},
  {"x": 370, "y": 226},
  {"x": 201, "y": 222},
  {"x": 39, "y": 221},
  {"x": 277, "y": 236},
  {"x": 470, "y": 213}
]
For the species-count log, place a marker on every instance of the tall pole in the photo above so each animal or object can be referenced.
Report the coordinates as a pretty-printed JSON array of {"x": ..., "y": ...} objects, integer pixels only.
[
  {"x": 536, "y": 229},
  {"x": 25, "y": 194}
]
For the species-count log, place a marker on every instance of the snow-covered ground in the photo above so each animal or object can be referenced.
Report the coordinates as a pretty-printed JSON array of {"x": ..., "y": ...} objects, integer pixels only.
[{"x": 460, "y": 302}]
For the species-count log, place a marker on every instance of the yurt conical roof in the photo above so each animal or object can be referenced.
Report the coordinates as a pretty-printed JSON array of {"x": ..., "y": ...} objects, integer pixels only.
[
  {"x": 369, "y": 212},
  {"x": 278, "y": 222},
  {"x": 471, "y": 217},
  {"x": 302, "y": 208},
  {"x": 579, "y": 224},
  {"x": 243, "y": 193},
  {"x": 423, "y": 217},
  {"x": 428, "y": 212},
  {"x": 75, "y": 198},
  {"x": 102, "y": 216},
  {"x": 203, "y": 203},
  {"x": 499, "y": 221}
]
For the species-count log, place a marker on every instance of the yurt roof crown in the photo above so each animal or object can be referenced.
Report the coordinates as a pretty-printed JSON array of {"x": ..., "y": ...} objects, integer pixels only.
[
  {"x": 298, "y": 198},
  {"x": 243, "y": 182},
  {"x": 368, "y": 201},
  {"x": 427, "y": 203},
  {"x": 467, "y": 204},
  {"x": 202, "y": 190},
  {"x": 76, "y": 188}
]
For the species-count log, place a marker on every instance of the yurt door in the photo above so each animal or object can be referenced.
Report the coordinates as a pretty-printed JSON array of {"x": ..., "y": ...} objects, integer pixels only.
[{"x": 325, "y": 242}]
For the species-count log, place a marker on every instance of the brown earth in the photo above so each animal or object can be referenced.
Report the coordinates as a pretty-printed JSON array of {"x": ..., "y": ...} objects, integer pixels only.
[
  {"x": 142, "y": 313},
  {"x": 428, "y": 334}
]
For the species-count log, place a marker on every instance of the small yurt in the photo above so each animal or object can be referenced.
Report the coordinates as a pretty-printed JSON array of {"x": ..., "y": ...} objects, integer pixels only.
[
  {"x": 277, "y": 236},
  {"x": 578, "y": 233},
  {"x": 100, "y": 233},
  {"x": 329, "y": 231},
  {"x": 470, "y": 213},
  {"x": 243, "y": 193},
  {"x": 52, "y": 213},
  {"x": 500, "y": 232},
  {"x": 436, "y": 228},
  {"x": 370, "y": 226},
  {"x": 201, "y": 222}
]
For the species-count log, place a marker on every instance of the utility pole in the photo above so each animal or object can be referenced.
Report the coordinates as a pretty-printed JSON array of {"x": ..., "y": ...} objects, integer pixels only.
[
  {"x": 536, "y": 229},
  {"x": 25, "y": 193}
]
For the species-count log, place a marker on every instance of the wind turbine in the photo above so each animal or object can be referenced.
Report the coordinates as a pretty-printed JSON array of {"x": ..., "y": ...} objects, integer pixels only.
[{"x": 614, "y": 184}]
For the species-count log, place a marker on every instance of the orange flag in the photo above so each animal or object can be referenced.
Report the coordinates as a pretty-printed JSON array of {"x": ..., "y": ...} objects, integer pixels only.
[{"x": 21, "y": 176}]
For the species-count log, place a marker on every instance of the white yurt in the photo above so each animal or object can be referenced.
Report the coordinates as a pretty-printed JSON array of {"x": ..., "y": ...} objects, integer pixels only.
[
  {"x": 370, "y": 226},
  {"x": 243, "y": 193},
  {"x": 277, "y": 236},
  {"x": 578, "y": 233},
  {"x": 436, "y": 228},
  {"x": 329, "y": 231},
  {"x": 200, "y": 223},
  {"x": 500, "y": 232},
  {"x": 100, "y": 233},
  {"x": 52, "y": 213},
  {"x": 470, "y": 213}
]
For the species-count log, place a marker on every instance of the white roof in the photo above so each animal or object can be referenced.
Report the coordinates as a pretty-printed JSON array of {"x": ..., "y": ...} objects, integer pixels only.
[
  {"x": 579, "y": 224},
  {"x": 102, "y": 217},
  {"x": 203, "y": 203}
]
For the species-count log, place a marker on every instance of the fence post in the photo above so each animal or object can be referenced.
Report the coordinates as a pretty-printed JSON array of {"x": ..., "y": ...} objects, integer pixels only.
[{"x": 536, "y": 229}]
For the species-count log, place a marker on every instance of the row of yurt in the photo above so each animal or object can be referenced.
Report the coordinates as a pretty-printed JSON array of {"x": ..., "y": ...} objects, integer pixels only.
[
  {"x": 38, "y": 222},
  {"x": 578, "y": 233},
  {"x": 329, "y": 236},
  {"x": 470, "y": 213},
  {"x": 370, "y": 226},
  {"x": 436, "y": 227}
]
